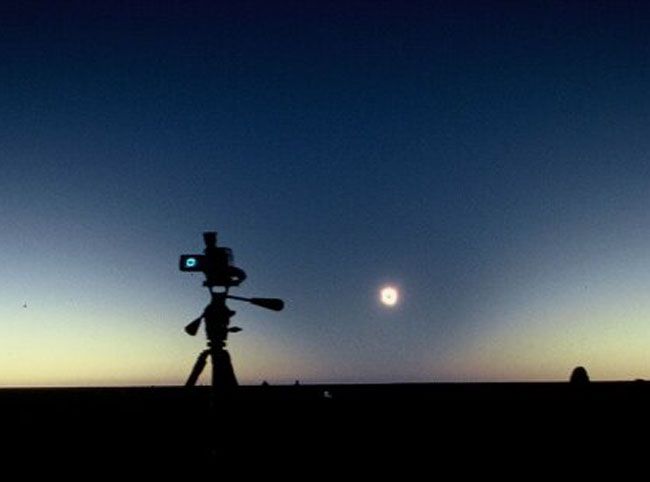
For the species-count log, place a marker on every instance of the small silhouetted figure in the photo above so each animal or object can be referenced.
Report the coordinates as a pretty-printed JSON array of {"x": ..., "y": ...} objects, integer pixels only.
[{"x": 579, "y": 376}]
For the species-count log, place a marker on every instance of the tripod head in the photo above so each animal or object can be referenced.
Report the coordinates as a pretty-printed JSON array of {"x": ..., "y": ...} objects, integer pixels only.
[{"x": 217, "y": 315}]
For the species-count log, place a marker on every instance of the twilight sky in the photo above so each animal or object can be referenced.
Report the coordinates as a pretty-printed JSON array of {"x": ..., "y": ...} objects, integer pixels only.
[{"x": 491, "y": 159}]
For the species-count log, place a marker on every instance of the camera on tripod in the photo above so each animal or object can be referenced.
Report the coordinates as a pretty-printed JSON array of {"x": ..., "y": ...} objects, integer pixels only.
[
  {"x": 216, "y": 263},
  {"x": 217, "y": 266}
]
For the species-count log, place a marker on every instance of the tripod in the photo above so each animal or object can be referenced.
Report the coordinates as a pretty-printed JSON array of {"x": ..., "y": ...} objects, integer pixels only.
[
  {"x": 216, "y": 264},
  {"x": 216, "y": 316},
  {"x": 217, "y": 319}
]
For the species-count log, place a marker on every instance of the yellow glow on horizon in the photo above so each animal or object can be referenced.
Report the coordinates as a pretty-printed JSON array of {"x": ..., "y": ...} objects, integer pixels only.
[
  {"x": 110, "y": 349},
  {"x": 609, "y": 341}
]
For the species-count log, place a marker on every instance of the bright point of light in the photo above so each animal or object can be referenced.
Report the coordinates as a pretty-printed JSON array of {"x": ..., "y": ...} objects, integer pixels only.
[
  {"x": 389, "y": 296},
  {"x": 190, "y": 262}
]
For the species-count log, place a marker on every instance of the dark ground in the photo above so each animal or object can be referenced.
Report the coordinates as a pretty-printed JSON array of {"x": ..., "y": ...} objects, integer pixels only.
[{"x": 172, "y": 427}]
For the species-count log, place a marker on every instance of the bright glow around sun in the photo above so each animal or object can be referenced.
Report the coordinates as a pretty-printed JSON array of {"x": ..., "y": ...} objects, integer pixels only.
[{"x": 389, "y": 296}]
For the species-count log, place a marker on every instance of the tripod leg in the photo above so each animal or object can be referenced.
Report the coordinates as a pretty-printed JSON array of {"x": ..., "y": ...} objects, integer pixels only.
[
  {"x": 223, "y": 374},
  {"x": 197, "y": 369}
]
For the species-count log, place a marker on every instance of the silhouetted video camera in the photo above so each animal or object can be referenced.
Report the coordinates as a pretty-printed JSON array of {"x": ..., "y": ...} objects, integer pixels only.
[{"x": 215, "y": 263}]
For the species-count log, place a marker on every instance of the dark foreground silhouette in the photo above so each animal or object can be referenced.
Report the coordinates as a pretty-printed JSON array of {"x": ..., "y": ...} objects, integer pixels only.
[
  {"x": 579, "y": 376},
  {"x": 331, "y": 427},
  {"x": 176, "y": 402}
]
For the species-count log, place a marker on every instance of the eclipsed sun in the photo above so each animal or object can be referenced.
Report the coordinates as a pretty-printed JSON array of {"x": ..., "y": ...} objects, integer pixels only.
[{"x": 389, "y": 295}]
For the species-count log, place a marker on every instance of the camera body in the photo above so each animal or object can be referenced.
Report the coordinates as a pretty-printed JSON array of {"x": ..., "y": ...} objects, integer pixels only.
[{"x": 216, "y": 263}]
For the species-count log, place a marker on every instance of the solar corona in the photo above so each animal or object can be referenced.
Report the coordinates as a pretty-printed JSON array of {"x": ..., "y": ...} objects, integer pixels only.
[{"x": 389, "y": 296}]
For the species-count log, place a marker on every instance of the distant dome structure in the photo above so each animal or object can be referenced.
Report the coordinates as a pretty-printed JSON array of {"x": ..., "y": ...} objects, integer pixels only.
[{"x": 579, "y": 376}]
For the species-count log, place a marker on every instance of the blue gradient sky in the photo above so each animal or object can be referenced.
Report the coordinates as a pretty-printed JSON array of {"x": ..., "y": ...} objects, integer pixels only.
[{"x": 489, "y": 158}]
